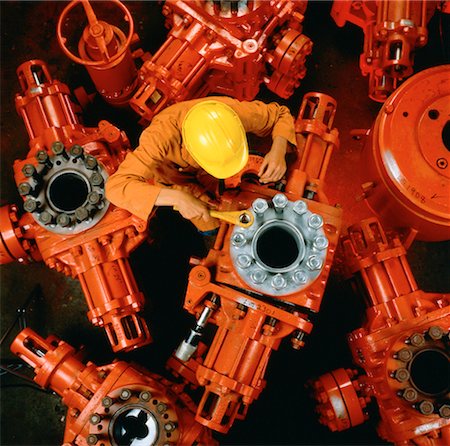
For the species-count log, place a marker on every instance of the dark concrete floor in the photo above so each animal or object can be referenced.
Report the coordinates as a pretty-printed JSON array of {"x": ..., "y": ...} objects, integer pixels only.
[{"x": 284, "y": 412}]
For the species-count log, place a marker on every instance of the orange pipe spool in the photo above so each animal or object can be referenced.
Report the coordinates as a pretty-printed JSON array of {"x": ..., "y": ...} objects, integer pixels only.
[
  {"x": 254, "y": 297},
  {"x": 402, "y": 351},
  {"x": 111, "y": 404},
  {"x": 104, "y": 50},
  {"x": 393, "y": 29},
  {"x": 409, "y": 188},
  {"x": 67, "y": 221}
]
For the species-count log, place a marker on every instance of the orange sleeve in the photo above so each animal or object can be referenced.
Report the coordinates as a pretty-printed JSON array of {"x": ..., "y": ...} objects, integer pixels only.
[{"x": 128, "y": 187}]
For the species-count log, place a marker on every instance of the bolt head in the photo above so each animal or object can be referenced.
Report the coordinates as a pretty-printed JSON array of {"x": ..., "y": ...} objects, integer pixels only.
[
  {"x": 41, "y": 156},
  {"x": 401, "y": 375},
  {"x": 300, "y": 207},
  {"x": 94, "y": 197},
  {"x": 92, "y": 439},
  {"x": 435, "y": 332},
  {"x": 76, "y": 151},
  {"x": 280, "y": 201},
  {"x": 300, "y": 277},
  {"x": 404, "y": 355},
  {"x": 409, "y": 394},
  {"x": 315, "y": 221},
  {"x": 238, "y": 240},
  {"x": 96, "y": 179},
  {"x": 24, "y": 189},
  {"x": 444, "y": 411},
  {"x": 90, "y": 162},
  {"x": 417, "y": 339},
  {"x": 63, "y": 220},
  {"x": 161, "y": 407},
  {"x": 28, "y": 170},
  {"x": 46, "y": 218},
  {"x": 258, "y": 276},
  {"x": 58, "y": 147},
  {"x": 30, "y": 205},
  {"x": 95, "y": 418},
  {"x": 426, "y": 407},
  {"x": 244, "y": 261},
  {"x": 260, "y": 206},
  {"x": 169, "y": 426},
  {"x": 320, "y": 242},
  {"x": 125, "y": 394},
  {"x": 145, "y": 396},
  {"x": 278, "y": 282},
  {"x": 81, "y": 214},
  {"x": 314, "y": 263},
  {"x": 107, "y": 401}
]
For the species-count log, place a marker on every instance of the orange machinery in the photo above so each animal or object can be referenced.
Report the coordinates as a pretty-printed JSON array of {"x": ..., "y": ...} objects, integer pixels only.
[
  {"x": 393, "y": 29},
  {"x": 404, "y": 166},
  {"x": 264, "y": 282},
  {"x": 115, "y": 404},
  {"x": 402, "y": 352},
  {"x": 67, "y": 221},
  {"x": 213, "y": 47}
]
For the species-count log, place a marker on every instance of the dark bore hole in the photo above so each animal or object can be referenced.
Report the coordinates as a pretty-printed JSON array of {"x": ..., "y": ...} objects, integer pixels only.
[
  {"x": 433, "y": 114},
  {"x": 430, "y": 372},
  {"x": 277, "y": 247},
  {"x": 129, "y": 427},
  {"x": 68, "y": 192},
  {"x": 446, "y": 135}
]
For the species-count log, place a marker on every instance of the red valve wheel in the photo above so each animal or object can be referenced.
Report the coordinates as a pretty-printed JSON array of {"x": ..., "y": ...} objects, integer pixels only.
[{"x": 97, "y": 30}]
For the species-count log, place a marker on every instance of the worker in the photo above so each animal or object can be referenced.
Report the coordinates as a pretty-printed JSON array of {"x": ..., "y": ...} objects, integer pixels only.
[{"x": 188, "y": 146}]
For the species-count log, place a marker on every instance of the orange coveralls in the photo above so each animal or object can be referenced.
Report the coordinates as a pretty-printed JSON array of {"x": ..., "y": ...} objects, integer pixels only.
[{"x": 162, "y": 156}]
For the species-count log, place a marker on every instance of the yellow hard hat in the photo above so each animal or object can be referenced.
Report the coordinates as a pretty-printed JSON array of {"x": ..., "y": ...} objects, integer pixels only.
[{"x": 215, "y": 137}]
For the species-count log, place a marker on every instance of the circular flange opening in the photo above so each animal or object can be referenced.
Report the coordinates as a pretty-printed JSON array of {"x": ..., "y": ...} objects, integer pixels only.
[
  {"x": 278, "y": 246},
  {"x": 67, "y": 191},
  {"x": 430, "y": 372},
  {"x": 134, "y": 426}
]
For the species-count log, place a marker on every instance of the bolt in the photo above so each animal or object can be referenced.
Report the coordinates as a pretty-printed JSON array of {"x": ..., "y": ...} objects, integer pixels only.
[
  {"x": 279, "y": 202},
  {"x": 46, "y": 218},
  {"x": 300, "y": 207},
  {"x": 90, "y": 162},
  {"x": 320, "y": 242},
  {"x": 170, "y": 426},
  {"x": 43, "y": 158},
  {"x": 401, "y": 375},
  {"x": 435, "y": 332},
  {"x": 409, "y": 394},
  {"x": 315, "y": 221},
  {"x": 238, "y": 239},
  {"x": 92, "y": 439},
  {"x": 58, "y": 149},
  {"x": 29, "y": 170},
  {"x": 145, "y": 396},
  {"x": 444, "y": 411},
  {"x": 404, "y": 355},
  {"x": 244, "y": 261},
  {"x": 417, "y": 339},
  {"x": 244, "y": 218},
  {"x": 81, "y": 214},
  {"x": 125, "y": 394},
  {"x": 63, "y": 220},
  {"x": 77, "y": 151},
  {"x": 300, "y": 277},
  {"x": 314, "y": 263},
  {"x": 107, "y": 401},
  {"x": 258, "y": 276},
  {"x": 95, "y": 418},
  {"x": 161, "y": 407},
  {"x": 96, "y": 179},
  {"x": 278, "y": 282},
  {"x": 260, "y": 206},
  {"x": 94, "y": 197},
  {"x": 426, "y": 407},
  {"x": 24, "y": 189},
  {"x": 30, "y": 205}
]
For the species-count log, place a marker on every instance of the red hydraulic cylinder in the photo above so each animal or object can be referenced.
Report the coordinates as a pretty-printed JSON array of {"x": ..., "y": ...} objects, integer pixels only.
[
  {"x": 402, "y": 351},
  {"x": 112, "y": 404},
  {"x": 67, "y": 220},
  {"x": 263, "y": 283}
]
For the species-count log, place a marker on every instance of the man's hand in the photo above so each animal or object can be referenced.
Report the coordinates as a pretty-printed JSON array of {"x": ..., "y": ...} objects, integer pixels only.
[
  {"x": 274, "y": 165},
  {"x": 190, "y": 207}
]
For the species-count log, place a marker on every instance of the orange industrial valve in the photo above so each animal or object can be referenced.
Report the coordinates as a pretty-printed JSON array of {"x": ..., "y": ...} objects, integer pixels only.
[
  {"x": 402, "y": 352},
  {"x": 405, "y": 164},
  {"x": 224, "y": 47},
  {"x": 104, "y": 49},
  {"x": 111, "y": 405},
  {"x": 265, "y": 276},
  {"x": 393, "y": 29},
  {"x": 67, "y": 221}
]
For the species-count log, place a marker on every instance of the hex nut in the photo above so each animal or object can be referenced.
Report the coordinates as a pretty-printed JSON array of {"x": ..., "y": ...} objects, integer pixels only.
[
  {"x": 320, "y": 242},
  {"x": 444, "y": 411},
  {"x": 314, "y": 263},
  {"x": 260, "y": 206},
  {"x": 58, "y": 147},
  {"x": 401, "y": 375},
  {"x": 244, "y": 261},
  {"x": 278, "y": 282},
  {"x": 404, "y": 355},
  {"x": 145, "y": 396},
  {"x": 107, "y": 401},
  {"x": 238, "y": 239},
  {"x": 315, "y": 221},
  {"x": 417, "y": 339},
  {"x": 125, "y": 394},
  {"x": 300, "y": 277},
  {"x": 409, "y": 394},
  {"x": 300, "y": 207},
  {"x": 426, "y": 407},
  {"x": 258, "y": 276},
  {"x": 435, "y": 332}
]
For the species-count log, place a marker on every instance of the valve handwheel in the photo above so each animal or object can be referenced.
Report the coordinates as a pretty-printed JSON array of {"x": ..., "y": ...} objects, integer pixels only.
[{"x": 98, "y": 30}]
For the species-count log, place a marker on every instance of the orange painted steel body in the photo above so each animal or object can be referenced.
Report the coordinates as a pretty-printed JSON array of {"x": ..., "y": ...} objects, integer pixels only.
[
  {"x": 405, "y": 164},
  {"x": 402, "y": 350},
  {"x": 76, "y": 233},
  {"x": 103, "y": 401},
  {"x": 393, "y": 29},
  {"x": 105, "y": 51},
  {"x": 210, "y": 51},
  {"x": 250, "y": 323}
]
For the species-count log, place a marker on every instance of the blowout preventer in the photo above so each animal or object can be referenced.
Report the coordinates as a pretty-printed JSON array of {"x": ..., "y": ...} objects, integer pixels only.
[
  {"x": 402, "y": 352},
  {"x": 261, "y": 282},
  {"x": 111, "y": 405},
  {"x": 393, "y": 29},
  {"x": 67, "y": 221}
]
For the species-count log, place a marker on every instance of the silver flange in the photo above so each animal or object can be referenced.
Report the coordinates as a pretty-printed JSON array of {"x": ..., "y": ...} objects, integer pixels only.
[{"x": 284, "y": 250}]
